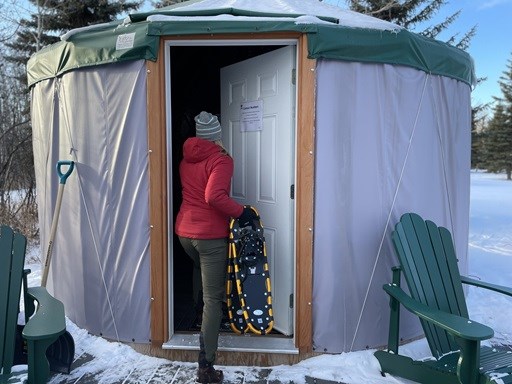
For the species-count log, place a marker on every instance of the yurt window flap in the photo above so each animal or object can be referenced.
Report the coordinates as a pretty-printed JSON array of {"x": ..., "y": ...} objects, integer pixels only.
[
  {"x": 390, "y": 140},
  {"x": 100, "y": 266}
]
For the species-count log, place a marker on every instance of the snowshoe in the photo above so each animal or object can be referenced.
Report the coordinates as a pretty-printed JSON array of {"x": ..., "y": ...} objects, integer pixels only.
[{"x": 248, "y": 287}]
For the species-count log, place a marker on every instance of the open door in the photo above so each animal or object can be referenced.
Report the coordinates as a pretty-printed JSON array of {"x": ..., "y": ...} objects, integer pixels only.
[{"x": 264, "y": 156}]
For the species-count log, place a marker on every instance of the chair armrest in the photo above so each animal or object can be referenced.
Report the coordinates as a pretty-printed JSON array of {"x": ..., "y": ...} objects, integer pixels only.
[
  {"x": 453, "y": 324},
  {"x": 49, "y": 318},
  {"x": 483, "y": 284}
]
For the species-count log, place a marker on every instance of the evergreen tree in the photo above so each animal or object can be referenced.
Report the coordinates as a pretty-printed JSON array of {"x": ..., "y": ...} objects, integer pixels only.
[
  {"x": 478, "y": 135},
  {"x": 499, "y": 143},
  {"x": 410, "y": 14},
  {"x": 505, "y": 83},
  {"x": 498, "y": 146}
]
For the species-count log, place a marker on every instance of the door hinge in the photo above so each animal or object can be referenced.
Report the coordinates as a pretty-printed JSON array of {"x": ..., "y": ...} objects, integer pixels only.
[
  {"x": 292, "y": 191},
  {"x": 294, "y": 76},
  {"x": 291, "y": 301}
]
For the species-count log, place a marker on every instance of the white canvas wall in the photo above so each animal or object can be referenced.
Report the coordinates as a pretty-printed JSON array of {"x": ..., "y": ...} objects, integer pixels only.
[
  {"x": 100, "y": 264},
  {"x": 389, "y": 140}
]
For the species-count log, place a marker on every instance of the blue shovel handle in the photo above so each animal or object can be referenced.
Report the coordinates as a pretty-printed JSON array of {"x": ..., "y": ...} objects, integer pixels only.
[{"x": 64, "y": 175}]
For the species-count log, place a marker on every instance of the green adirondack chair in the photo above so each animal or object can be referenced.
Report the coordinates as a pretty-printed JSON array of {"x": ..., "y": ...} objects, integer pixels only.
[
  {"x": 429, "y": 264},
  {"x": 47, "y": 319}
]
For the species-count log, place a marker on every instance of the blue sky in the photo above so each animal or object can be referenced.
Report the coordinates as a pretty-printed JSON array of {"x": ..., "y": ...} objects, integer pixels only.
[{"x": 490, "y": 48}]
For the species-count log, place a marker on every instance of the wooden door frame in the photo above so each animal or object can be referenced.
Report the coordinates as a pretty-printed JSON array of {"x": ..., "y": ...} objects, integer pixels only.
[{"x": 157, "y": 152}]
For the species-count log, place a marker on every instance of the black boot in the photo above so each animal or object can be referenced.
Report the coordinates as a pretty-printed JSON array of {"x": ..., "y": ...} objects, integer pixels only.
[
  {"x": 206, "y": 374},
  {"x": 209, "y": 375}
]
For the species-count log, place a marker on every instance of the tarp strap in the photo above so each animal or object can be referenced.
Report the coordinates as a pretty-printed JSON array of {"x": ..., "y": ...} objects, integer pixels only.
[
  {"x": 96, "y": 249},
  {"x": 411, "y": 137}
]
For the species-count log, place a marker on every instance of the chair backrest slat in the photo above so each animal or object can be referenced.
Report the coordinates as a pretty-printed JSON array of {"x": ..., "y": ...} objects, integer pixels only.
[
  {"x": 429, "y": 265},
  {"x": 12, "y": 260},
  {"x": 444, "y": 252}
]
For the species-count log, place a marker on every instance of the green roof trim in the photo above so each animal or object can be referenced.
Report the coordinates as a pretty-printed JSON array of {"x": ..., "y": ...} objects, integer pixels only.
[
  {"x": 164, "y": 28},
  {"x": 92, "y": 47},
  {"x": 117, "y": 42},
  {"x": 390, "y": 47}
]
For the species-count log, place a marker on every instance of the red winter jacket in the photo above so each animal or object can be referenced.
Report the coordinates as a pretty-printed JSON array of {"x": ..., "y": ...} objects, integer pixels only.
[{"x": 206, "y": 208}]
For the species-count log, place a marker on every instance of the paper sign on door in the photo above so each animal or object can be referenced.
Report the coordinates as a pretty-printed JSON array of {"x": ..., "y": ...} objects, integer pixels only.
[{"x": 251, "y": 116}]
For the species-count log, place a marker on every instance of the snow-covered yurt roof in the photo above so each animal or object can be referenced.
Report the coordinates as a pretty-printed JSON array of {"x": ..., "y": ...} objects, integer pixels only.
[{"x": 333, "y": 33}]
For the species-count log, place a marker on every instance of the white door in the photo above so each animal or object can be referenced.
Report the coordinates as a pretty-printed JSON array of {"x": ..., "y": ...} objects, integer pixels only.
[{"x": 264, "y": 161}]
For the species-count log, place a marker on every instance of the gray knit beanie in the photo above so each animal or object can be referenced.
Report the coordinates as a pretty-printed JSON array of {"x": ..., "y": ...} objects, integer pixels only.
[{"x": 208, "y": 127}]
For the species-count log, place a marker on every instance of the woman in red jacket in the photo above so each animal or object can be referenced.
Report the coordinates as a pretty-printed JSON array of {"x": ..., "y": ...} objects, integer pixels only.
[{"x": 202, "y": 226}]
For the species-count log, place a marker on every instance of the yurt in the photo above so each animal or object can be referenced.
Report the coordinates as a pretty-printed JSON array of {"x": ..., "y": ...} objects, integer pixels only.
[{"x": 338, "y": 123}]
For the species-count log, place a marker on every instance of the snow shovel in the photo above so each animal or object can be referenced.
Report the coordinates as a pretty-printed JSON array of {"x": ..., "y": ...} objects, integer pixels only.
[{"x": 61, "y": 353}]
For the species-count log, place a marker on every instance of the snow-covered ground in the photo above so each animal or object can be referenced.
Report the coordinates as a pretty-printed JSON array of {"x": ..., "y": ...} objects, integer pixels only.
[{"x": 490, "y": 259}]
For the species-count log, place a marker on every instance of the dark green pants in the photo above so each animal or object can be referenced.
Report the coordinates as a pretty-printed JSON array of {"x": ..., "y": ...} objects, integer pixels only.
[{"x": 210, "y": 263}]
